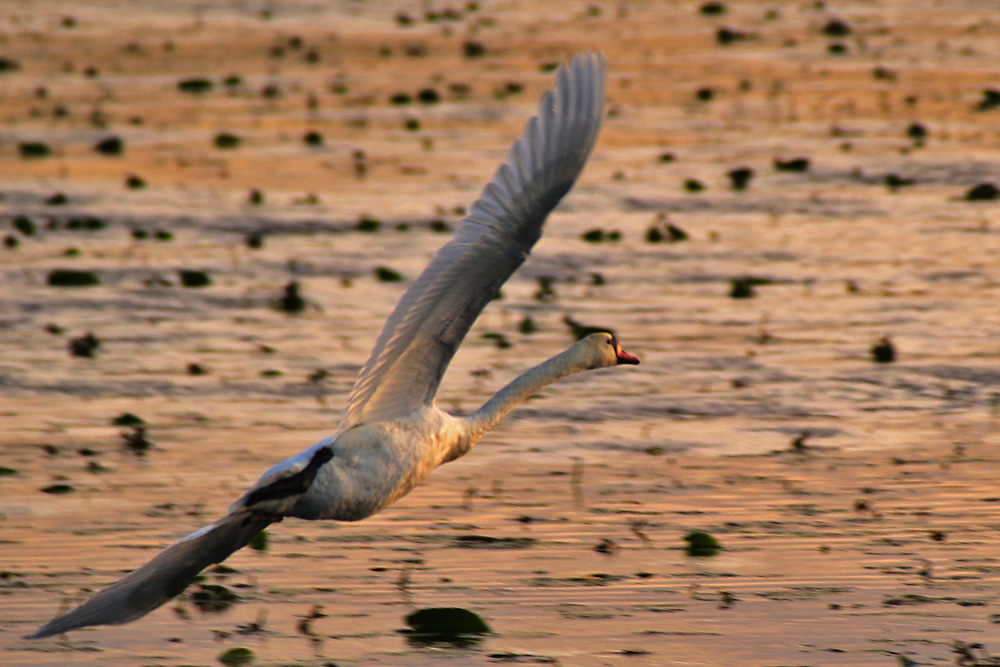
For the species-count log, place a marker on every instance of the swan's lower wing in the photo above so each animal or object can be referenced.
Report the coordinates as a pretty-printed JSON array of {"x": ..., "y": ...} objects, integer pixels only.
[
  {"x": 424, "y": 331},
  {"x": 164, "y": 577}
]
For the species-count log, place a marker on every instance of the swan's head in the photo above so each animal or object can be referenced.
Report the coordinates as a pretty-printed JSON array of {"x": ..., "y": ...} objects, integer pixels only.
[{"x": 602, "y": 350}]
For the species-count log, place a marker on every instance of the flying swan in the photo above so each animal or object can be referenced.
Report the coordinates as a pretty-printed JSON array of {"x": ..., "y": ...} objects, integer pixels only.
[{"x": 392, "y": 435}]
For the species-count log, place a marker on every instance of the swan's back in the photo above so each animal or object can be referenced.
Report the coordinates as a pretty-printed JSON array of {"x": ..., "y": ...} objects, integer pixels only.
[{"x": 431, "y": 320}]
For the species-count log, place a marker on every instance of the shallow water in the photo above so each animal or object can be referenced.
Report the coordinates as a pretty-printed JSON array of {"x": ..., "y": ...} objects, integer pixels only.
[{"x": 876, "y": 541}]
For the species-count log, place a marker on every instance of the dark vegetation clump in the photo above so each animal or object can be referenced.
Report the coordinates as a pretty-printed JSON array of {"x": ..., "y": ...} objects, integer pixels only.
[
  {"x": 238, "y": 656},
  {"x": 255, "y": 198},
  {"x": 312, "y": 138},
  {"x": 113, "y": 145},
  {"x": 386, "y": 275},
  {"x": 25, "y": 225},
  {"x": 428, "y": 96},
  {"x": 194, "y": 278},
  {"x": 599, "y": 235},
  {"x": 255, "y": 240},
  {"x": 666, "y": 232},
  {"x": 472, "y": 49},
  {"x": 84, "y": 346},
  {"x": 194, "y": 368},
  {"x": 917, "y": 132},
  {"x": 713, "y": 9},
  {"x": 700, "y": 544},
  {"x": 727, "y": 36},
  {"x": 693, "y": 185},
  {"x": 8, "y": 64},
  {"x": 127, "y": 419},
  {"x": 704, "y": 94},
  {"x": 990, "y": 100},
  {"x": 260, "y": 541},
  {"x": 213, "y": 597},
  {"x": 446, "y": 622},
  {"x": 983, "y": 192},
  {"x": 291, "y": 299},
  {"x": 72, "y": 278},
  {"x": 85, "y": 223},
  {"x": 797, "y": 164},
  {"x": 883, "y": 352},
  {"x": 895, "y": 182},
  {"x": 743, "y": 287},
  {"x": 135, "y": 182},
  {"x": 135, "y": 439},
  {"x": 740, "y": 178},
  {"x": 498, "y": 339},
  {"x": 226, "y": 140},
  {"x": 34, "y": 150},
  {"x": 195, "y": 85},
  {"x": 367, "y": 224},
  {"x": 56, "y": 199},
  {"x": 836, "y": 28}
]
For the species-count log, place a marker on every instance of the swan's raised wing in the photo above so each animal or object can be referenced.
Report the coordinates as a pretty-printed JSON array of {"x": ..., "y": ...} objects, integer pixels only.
[{"x": 424, "y": 331}]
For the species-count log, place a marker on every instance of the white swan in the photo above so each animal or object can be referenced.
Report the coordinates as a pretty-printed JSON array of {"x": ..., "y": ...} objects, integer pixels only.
[{"x": 392, "y": 435}]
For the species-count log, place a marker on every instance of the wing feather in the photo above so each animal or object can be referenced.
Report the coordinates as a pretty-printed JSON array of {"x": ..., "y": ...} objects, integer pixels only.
[{"x": 421, "y": 336}]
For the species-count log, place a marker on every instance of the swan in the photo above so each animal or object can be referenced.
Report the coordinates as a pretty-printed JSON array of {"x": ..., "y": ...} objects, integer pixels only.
[{"x": 392, "y": 435}]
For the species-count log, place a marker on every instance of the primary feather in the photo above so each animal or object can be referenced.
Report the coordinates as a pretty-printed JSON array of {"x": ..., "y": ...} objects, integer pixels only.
[{"x": 424, "y": 331}]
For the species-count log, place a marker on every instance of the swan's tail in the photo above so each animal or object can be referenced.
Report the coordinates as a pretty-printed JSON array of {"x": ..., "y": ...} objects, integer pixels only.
[{"x": 165, "y": 576}]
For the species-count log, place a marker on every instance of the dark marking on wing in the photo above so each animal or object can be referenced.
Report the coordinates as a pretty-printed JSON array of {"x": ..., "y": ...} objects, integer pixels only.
[{"x": 293, "y": 484}]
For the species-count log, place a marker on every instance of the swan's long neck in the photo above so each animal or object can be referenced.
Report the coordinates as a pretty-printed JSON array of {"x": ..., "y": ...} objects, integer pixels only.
[{"x": 505, "y": 400}]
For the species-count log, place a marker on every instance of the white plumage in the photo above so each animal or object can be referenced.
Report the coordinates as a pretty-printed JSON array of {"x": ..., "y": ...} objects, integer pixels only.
[{"x": 392, "y": 435}]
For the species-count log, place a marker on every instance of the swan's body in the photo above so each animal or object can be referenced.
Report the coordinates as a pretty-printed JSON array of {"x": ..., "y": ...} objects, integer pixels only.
[{"x": 393, "y": 435}]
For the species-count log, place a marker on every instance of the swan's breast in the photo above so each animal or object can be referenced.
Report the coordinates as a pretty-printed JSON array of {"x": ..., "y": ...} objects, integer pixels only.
[{"x": 375, "y": 464}]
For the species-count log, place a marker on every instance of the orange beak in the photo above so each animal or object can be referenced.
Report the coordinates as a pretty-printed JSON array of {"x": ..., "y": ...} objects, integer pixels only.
[{"x": 624, "y": 357}]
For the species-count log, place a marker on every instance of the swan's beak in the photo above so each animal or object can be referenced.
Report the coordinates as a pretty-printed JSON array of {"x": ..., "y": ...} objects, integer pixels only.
[{"x": 624, "y": 357}]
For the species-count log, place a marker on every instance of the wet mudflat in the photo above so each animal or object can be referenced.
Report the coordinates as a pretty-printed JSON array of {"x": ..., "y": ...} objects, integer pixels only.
[{"x": 780, "y": 195}]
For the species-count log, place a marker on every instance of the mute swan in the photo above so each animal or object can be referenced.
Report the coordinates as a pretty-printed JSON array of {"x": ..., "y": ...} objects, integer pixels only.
[{"x": 392, "y": 435}]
